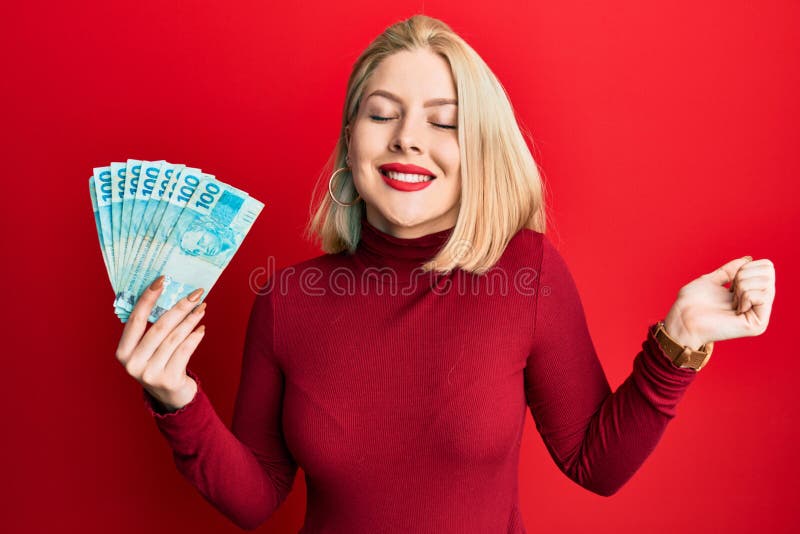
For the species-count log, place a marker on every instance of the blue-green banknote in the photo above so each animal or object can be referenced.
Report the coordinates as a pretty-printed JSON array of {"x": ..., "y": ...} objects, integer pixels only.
[
  {"x": 156, "y": 201},
  {"x": 167, "y": 213},
  {"x": 154, "y": 217}
]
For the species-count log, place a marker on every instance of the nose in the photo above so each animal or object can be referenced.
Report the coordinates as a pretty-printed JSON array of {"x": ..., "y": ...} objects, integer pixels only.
[{"x": 406, "y": 138}]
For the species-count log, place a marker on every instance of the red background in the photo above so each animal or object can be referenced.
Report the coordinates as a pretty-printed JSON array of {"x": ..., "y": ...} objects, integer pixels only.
[{"x": 668, "y": 137}]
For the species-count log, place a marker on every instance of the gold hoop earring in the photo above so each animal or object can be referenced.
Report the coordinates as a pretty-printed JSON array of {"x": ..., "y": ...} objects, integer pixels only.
[{"x": 330, "y": 189}]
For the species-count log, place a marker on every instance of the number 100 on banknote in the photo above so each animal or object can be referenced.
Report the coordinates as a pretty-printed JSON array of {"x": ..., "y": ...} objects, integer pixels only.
[{"x": 155, "y": 217}]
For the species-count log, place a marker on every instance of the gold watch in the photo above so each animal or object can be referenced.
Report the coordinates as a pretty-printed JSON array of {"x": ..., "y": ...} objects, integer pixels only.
[{"x": 682, "y": 356}]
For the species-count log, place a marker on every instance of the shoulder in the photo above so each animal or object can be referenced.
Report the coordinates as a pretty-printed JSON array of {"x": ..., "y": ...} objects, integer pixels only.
[
  {"x": 535, "y": 244},
  {"x": 525, "y": 249},
  {"x": 535, "y": 253},
  {"x": 529, "y": 238}
]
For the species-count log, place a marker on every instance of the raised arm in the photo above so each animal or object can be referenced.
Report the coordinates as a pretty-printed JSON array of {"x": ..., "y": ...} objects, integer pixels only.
[{"x": 597, "y": 438}]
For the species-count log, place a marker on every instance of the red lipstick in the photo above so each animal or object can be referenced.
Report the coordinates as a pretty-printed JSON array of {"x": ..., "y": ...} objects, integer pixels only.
[{"x": 406, "y": 169}]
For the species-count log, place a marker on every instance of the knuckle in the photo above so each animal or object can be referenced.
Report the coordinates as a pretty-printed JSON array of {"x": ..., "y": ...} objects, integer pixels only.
[
  {"x": 156, "y": 378},
  {"x": 159, "y": 328},
  {"x": 132, "y": 369},
  {"x": 137, "y": 317},
  {"x": 140, "y": 321},
  {"x": 194, "y": 317},
  {"x": 188, "y": 323},
  {"x": 143, "y": 303},
  {"x": 151, "y": 377},
  {"x": 181, "y": 350},
  {"x": 173, "y": 338},
  {"x": 198, "y": 336},
  {"x": 189, "y": 344},
  {"x": 187, "y": 340}
]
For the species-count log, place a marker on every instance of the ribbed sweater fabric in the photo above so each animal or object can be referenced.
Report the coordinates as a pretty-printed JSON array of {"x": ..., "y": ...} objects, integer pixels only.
[{"x": 403, "y": 394}]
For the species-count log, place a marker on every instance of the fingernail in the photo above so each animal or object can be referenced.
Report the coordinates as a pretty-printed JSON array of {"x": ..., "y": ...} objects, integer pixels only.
[
  {"x": 201, "y": 329},
  {"x": 201, "y": 308},
  {"x": 195, "y": 295},
  {"x": 156, "y": 285},
  {"x": 749, "y": 258}
]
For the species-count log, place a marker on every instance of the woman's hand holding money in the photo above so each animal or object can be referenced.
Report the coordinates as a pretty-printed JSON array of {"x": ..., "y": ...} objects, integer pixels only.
[{"x": 157, "y": 359}]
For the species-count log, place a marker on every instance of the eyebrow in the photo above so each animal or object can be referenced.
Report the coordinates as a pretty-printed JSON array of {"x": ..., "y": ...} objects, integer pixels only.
[{"x": 429, "y": 103}]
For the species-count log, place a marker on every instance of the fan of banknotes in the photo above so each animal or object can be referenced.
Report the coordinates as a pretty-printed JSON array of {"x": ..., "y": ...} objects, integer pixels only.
[{"x": 156, "y": 218}]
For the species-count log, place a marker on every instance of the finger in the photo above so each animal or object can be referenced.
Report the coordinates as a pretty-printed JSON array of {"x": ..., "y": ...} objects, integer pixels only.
[
  {"x": 164, "y": 325},
  {"x": 726, "y": 273},
  {"x": 763, "y": 262},
  {"x": 745, "y": 271},
  {"x": 743, "y": 302},
  {"x": 180, "y": 357},
  {"x": 750, "y": 299},
  {"x": 754, "y": 282},
  {"x": 749, "y": 271},
  {"x": 162, "y": 354},
  {"x": 137, "y": 321}
]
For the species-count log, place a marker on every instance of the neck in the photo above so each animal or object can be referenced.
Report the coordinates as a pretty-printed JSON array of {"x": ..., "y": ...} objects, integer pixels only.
[{"x": 380, "y": 248}]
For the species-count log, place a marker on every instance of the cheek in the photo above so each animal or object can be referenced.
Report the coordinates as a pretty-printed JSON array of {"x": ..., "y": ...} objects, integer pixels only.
[
  {"x": 367, "y": 142},
  {"x": 451, "y": 157}
]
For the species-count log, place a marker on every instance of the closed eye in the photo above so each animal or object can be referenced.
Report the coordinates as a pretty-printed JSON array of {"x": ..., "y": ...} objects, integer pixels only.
[{"x": 384, "y": 119}]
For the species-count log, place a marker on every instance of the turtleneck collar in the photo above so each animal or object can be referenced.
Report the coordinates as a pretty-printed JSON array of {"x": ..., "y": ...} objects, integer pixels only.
[{"x": 381, "y": 248}]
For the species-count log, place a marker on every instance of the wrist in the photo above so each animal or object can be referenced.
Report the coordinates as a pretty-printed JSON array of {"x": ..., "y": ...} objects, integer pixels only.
[
  {"x": 678, "y": 331},
  {"x": 187, "y": 394},
  {"x": 183, "y": 397}
]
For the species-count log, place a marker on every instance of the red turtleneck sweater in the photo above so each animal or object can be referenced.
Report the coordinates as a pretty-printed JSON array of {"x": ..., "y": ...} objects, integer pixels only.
[{"x": 403, "y": 395}]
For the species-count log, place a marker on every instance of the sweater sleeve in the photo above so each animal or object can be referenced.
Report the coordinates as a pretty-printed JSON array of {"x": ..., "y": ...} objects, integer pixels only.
[
  {"x": 597, "y": 438},
  {"x": 245, "y": 472}
]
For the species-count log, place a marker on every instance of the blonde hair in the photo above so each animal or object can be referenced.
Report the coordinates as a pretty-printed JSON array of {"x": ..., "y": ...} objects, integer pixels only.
[{"x": 501, "y": 189}]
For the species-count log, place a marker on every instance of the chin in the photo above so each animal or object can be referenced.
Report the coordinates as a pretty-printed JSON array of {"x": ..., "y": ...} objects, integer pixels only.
[{"x": 408, "y": 219}]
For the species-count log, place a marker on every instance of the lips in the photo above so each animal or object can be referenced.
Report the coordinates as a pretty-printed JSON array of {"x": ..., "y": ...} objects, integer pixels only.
[
  {"x": 406, "y": 168},
  {"x": 406, "y": 186}
]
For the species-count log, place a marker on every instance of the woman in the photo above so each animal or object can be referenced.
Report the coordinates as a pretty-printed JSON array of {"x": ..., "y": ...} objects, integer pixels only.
[{"x": 397, "y": 367}]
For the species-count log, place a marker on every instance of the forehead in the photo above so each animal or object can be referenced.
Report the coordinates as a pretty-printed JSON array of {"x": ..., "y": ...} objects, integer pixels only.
[{"x": 412, "y": 77}]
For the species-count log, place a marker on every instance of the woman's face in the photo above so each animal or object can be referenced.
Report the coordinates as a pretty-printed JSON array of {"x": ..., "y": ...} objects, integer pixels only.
[{"x": 408, "y": 116}]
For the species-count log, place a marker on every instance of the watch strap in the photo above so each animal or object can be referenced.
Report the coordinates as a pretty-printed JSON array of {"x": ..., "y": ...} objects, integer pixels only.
[{"x": 682, "y": 356}]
